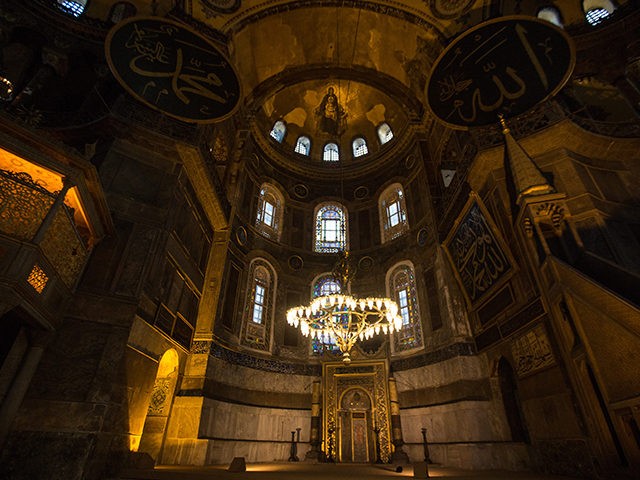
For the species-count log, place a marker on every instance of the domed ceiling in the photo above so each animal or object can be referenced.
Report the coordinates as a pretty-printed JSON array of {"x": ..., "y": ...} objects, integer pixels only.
[{"x": 331, "y": 110}]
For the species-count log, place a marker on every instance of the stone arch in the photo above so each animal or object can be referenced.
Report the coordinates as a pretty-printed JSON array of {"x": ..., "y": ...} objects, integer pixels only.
[
  {"x": 511, "y": 401},
  {"x": 160, "y": 403}
]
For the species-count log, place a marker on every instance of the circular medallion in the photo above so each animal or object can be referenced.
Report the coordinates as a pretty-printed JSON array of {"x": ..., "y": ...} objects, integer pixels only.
[
  {"x": 500, "y": 68},
  {"x": 361, "y": 192},
  {"x": 300, "y": 190},
  {"x": 450, "y": 8},
  {"x": 172, "y": 69},
  {"x": 221, "y": 6},
  {"x": 295, "y": 262},
  {"x": 422, "y": 237},
  {"x": 241, "y": 236},
  {"x": 365, "y": 263},
  {"x": 255, "y": 161},
  {"x": 410, "y": 162}
]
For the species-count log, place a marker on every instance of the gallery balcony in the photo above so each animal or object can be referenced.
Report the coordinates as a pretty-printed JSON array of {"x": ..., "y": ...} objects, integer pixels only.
[{"x": 48, "y": 226}]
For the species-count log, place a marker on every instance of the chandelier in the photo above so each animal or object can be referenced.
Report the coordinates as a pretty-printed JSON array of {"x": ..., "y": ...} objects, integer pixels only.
[{"x": 343, "y": 318}]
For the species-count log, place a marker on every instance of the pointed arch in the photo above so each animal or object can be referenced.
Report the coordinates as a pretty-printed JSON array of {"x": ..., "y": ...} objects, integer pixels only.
[{"x": 401, "y": 287}]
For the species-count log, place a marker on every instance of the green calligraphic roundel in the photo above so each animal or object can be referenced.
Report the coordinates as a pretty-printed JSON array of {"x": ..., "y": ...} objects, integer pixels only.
[
  {"x": 501, "y": 67},
  {"x": 173, "y": 69}
]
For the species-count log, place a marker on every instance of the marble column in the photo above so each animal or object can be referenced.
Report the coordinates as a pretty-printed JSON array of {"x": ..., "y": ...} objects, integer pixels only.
[
  {"x": 14, "y": 397},
  {"x": 398, "y": 455},
  {"x": 51, "y": 214},
  {"x": 315, "y": 454}
]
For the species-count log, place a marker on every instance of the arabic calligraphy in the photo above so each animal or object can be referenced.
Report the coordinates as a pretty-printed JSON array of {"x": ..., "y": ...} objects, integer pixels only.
[
  {"x": 501, "y": 67},
  {"x": 172, "y": 69},
  {"x": 532, "y": 352},
  {"x": 476, "y": 254}
]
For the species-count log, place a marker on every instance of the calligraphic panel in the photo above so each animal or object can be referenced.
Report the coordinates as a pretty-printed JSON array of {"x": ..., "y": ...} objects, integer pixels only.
[
  {"x": 480, "y": 258},
  {"x": 501, "y": 67},
  {"x": 532, "y": 352},
  {"x": 172, "y": 69}
]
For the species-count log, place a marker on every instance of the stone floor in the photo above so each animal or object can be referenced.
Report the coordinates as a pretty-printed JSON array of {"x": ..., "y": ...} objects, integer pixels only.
[{"x": 289, "y": 471}]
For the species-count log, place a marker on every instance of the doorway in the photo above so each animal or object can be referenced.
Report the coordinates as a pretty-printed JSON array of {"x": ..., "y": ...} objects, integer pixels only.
[{"x": 355, "y": 438}]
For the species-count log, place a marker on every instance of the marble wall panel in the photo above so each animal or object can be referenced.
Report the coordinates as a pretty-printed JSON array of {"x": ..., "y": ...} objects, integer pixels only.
[
  {"x": 442, "y": 373},
  {"x": 232, "y": 421},
  {"x": 252, "y": 379},
  {"x": 482, "y": 456},
  {"x": 470, "y": 421}
]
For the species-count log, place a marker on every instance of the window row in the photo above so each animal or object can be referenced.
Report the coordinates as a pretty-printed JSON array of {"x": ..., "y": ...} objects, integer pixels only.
[
  {"x": 119, "y": 10},
  {"x": 330, "y": 151},
  {"x": 331, "y": 222},
  {"x": 595, "y": 11},
  {"x": 258, "y": 313}
]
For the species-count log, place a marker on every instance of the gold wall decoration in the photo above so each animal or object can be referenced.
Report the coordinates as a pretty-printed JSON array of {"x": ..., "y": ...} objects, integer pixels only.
[
  {"x": 481, "y": 260},
  {"x": 37, "y": 278},
  {"x": 64, "y": 247},
  {"x": 23, "y": 204},
  {"x": 340, "y": 382},
  {"x": 532, "y": 352}
]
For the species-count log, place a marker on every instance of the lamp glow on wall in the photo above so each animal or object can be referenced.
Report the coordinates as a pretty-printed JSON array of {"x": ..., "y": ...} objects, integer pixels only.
[{"x": 343, "y": 318}]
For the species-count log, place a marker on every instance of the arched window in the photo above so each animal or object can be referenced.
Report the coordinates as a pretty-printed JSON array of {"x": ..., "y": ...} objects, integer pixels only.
[
  {"x": 72, "y": 7},
  {"x": 360, "y": 147},
  {"x": 384, "y": 133},
  {"x": 270, "y": 211},
  {"x": 331, "y": 153},
  {"x": 393, "y": 213},
  {"x": 401, "y": 284},
  {"x": 551, "y": 15},
  {"x": 330, "y": 228},
  {"x": 595, "y": 11},
  {"x": 258, "y": 312},
  {"x": 278, "y": 131},
  {"x": 324, "y": 284},
  {"x": 303, "y": 145},
  {"x": 122, "y": 10}
]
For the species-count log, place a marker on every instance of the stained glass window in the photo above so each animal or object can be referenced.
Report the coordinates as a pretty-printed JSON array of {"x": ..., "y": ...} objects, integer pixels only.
[
  {"x": 258, "y": 312},
  {"x": 278, "y": 131},
  {"x": 331, "y": 228},
  {"x": 331, "y": 153},
  {"x": 384, "y": 133},
  {"x": 360, "y": 147},
  {"x": 270, "y": 210},
  {"x": 325, "y": 285},
  {"x": 596, "y": 11},
  {"x": 402, "y": 286},
  {"x": 393, "y": 213},
  {"x": 258, "y": 303},
  {"x": 72, "y": 7},
  {"x": 303, "y": 146}
]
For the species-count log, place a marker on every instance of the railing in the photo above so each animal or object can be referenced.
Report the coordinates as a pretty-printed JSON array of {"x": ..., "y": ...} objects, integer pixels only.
[{"x": 23, "y": 207}]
